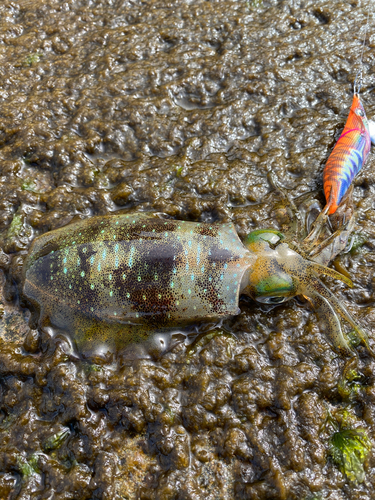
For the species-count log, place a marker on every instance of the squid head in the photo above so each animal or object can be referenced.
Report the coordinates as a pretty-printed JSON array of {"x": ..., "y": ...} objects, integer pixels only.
[{"x": 279, "y": 273}]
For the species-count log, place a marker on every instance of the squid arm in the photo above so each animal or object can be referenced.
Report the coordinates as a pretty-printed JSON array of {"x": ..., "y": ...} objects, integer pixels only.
[{"x": 328, "y": 306}]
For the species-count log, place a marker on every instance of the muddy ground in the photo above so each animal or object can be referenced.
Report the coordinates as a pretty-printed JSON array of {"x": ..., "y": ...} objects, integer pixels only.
[{"x": 180, "y": 108}]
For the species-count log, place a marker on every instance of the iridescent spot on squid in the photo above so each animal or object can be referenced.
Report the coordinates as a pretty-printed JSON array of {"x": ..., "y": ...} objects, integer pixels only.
[
  {"x": 110, "y": 277},
  {"x": 172, "y": 284},
  {"x": 104, "y": 254},
  {"x": 192, "y": 277},
  {"x": 65, "y": 270},
  {"x": 130, "y": 261},
  {"x": 78, "y": 261},
  {"x": 202, "y": 269},
  {"x": 92, "y": 286},
  {"x": 82, "y": 273},
  {"x": 111, "y": 293},
  {"x": 99, "y": 266},
  {"x": 92, "y": 259}
]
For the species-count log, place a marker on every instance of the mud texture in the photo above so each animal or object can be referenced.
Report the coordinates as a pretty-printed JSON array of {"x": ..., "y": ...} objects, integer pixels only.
[{"x": 181, "y": 108}]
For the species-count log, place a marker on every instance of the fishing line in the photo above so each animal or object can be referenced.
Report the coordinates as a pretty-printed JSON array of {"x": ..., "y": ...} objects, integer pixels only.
[{"x": 359, "y": 76}]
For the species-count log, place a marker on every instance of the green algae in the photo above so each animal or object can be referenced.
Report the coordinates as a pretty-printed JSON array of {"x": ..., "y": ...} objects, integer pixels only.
[
  {"x": 32, "y": 59},
  {"x": 348, "y": 445},
  {"x": 28, "y": 467},
  {"x": 349, "y": 449},
  {"x": 15, "y": 227},
  {"x": 54, "y": 442},
  {"x": 349, "y": 386},
  {"x": 358, "y": 240},
  {"x": 29, "y": 185}
]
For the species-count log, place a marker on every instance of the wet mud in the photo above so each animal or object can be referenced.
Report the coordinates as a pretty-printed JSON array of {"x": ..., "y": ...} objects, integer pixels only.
[{"x": 182, "y": 108}]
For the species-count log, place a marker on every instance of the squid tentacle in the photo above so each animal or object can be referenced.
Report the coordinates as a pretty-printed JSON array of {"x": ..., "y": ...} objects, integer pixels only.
[
  {"x": 330, "y": 323},
  {"x": 317, "y": 287}
]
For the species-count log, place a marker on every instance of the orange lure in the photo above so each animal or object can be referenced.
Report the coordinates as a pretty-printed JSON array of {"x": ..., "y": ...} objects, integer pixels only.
[{"x": 348, "y": 155}]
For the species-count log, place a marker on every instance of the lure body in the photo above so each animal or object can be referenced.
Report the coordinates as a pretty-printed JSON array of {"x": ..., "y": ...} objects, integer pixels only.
[
  {"x": 348, "y": 155},
  {"x": 113, "y": 280}
]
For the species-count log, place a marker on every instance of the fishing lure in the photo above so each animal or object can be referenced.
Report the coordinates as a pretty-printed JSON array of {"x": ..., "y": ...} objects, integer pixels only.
[
  {"x": 348, "y": 156},
  {"x": 352, "y": 148},
  {"x": 139, "y": 273}
]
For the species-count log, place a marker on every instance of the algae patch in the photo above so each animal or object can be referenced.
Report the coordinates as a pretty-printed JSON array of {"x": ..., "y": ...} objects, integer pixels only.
[{"x": 349, "y": 449}]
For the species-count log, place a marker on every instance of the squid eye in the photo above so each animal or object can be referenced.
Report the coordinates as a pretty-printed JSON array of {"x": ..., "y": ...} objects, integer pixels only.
[
  {"x": 359, "y": 112},
  {"x": 272, "y": 300}
]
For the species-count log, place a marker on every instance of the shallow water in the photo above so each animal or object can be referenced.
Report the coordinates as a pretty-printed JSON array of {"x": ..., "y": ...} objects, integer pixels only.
[{"x": 181, "y": 108}]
